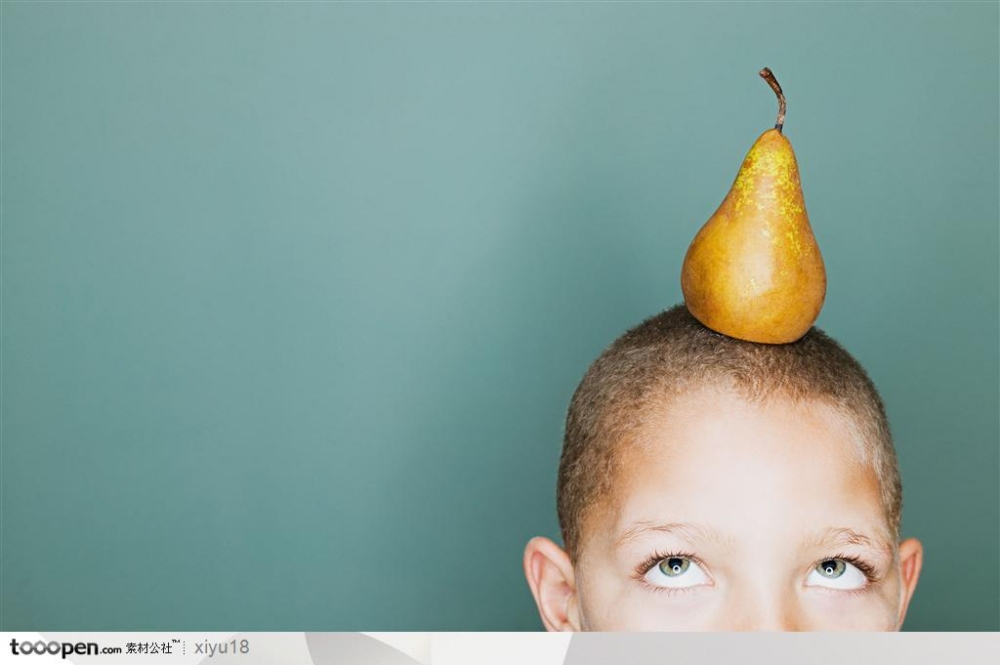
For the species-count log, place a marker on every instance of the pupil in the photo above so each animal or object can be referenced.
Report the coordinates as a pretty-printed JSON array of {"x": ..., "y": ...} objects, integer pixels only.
[
  {"x": 674, "y": 566},
  {"x": 833, "y": 568}
]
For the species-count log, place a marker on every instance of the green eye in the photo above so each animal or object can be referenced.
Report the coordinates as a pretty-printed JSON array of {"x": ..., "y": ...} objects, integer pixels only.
[
  {"x": 832, "y": 568},
  {"x": 674, "y": 566}
]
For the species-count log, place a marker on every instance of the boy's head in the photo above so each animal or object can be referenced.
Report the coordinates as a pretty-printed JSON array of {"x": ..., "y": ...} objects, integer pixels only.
[{"x": 711, "y": 483}]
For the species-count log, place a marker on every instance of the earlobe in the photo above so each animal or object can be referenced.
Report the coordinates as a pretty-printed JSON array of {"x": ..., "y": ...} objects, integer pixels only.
[
  {"x": 551, "y": 578},
  {"x": 911, "y": 558}
]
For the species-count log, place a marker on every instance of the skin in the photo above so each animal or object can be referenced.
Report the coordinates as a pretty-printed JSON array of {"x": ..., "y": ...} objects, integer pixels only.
[{"x": 754, "y": 497}]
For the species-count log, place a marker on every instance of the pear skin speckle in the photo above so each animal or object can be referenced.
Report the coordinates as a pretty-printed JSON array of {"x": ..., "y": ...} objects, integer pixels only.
[{"x": 754, "y": 270}]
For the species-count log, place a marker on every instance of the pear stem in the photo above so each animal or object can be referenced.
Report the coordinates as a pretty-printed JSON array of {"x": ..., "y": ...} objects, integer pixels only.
[{"x": 768, "y": 76}]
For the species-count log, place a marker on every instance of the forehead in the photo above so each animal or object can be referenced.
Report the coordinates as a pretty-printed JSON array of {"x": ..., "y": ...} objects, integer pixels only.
[{"x": 749, "y": 470}]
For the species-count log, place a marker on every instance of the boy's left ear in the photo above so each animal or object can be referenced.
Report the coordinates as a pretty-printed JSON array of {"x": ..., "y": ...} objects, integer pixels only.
[{"x": 911, "y": 558}]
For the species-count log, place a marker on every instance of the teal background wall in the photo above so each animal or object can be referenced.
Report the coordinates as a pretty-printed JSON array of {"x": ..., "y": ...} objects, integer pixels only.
[{"x": 295, "y": 295}]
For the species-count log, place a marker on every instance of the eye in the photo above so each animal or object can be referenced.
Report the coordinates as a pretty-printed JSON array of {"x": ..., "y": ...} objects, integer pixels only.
[
  {"x": 836, "y": 574},
  {"x": 676, "y": 572}
]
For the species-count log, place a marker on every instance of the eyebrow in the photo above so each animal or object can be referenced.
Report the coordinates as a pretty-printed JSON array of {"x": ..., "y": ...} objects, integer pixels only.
[
  {"x": 845, "y": 536},
  {"x": 692, "y": 533}
]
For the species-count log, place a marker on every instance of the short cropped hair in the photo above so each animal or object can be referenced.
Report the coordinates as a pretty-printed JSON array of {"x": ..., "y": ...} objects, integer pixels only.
[{"x": 673, "y": 353}]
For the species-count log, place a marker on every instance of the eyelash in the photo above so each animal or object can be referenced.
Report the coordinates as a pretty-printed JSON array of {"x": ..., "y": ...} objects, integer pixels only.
[
  {"x": 872, "y": 575},
  {"x": 643, "y": 569},
  {"x": 867, "y": 569}
]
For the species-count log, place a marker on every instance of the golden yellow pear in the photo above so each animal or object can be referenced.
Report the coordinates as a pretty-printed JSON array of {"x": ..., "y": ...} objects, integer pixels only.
[{"x": 754, "y": 271}]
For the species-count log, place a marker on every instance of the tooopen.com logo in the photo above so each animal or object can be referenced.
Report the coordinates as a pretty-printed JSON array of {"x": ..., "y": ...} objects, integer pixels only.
[{"x": 53, "y": 648}]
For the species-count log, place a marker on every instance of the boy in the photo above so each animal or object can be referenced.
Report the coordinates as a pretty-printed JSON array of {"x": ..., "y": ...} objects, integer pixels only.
[{"x": 708, "y": 483}]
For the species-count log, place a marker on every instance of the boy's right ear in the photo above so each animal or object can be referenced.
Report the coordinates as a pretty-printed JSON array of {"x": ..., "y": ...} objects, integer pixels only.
[{"x": 553, "y": 584}]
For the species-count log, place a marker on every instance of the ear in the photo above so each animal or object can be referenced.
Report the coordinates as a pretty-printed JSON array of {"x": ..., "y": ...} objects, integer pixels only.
[
  {"x": 911, "y": 558},
  {"x": 553, "y": 584}
]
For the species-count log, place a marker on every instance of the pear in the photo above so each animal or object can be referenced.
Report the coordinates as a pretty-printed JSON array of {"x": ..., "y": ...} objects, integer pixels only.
[{"x": 754, "y": 271}]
